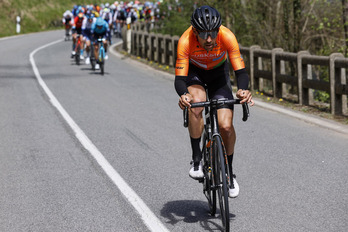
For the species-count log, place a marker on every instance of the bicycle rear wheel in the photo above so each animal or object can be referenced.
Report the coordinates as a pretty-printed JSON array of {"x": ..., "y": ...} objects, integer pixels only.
[
  {"x": 101, "y": 59},
  {"x": 92, "y": 59},
  {"x": 102, "y": 68},
  {"x": 77, "y": 54},
  {"x": 220, "y": 178},
  {"x": 208, "y": 186}
]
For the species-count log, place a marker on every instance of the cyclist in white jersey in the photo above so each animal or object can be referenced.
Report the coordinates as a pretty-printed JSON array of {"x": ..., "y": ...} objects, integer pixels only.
[{"x": 87, "y": 32}]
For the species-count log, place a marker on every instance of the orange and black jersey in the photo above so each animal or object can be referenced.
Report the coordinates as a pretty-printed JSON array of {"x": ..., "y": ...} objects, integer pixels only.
[{"x": 190, "y": 51}]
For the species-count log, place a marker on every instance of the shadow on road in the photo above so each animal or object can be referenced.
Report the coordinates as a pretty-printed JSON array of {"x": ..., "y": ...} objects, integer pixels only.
[{"x": 192, "y": 212}]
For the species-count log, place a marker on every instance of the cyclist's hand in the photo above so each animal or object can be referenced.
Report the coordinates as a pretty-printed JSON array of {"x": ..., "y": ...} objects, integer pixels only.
[
  {"x": 245, "y": 96},
  {"x": 185, "y": 100}
]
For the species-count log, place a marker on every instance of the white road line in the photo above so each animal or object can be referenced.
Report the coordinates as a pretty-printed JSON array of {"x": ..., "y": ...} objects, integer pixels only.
[{"x": 149, "y": 218}]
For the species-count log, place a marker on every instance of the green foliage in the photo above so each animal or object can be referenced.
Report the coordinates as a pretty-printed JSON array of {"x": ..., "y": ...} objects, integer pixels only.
[
  {"x": 36, "y": 15},
  {"x": 322, "y": 96},
  {"x": 177, "y": 17},
  {"x": 294, "y": 25}
]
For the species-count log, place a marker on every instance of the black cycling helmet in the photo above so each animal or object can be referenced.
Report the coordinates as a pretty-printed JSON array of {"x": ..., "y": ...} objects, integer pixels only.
[{"x": 206, "y": 18}]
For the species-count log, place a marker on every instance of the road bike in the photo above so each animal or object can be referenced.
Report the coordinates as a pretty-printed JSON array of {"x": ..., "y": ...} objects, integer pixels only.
[
  {"x": 67, "y": 31},
  {"x": 78, "y": 49},
  {"x": 216, "y": 181},
  {"x": 101, "y": 54}
]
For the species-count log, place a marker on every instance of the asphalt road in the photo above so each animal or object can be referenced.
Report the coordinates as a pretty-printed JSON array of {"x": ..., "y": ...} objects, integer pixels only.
[{"x": 292, "y": 174}]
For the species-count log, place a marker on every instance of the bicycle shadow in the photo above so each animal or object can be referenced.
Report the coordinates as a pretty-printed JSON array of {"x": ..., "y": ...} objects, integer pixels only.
[
  {"x": 93, "y": 72},
  {"x": 192, "y": 212}
]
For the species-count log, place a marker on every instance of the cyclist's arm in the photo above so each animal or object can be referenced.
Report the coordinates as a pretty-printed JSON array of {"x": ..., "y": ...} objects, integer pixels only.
[
  {"x": 181, "y": 71},
  {"x": 242, "y": 78},
  {"x": 182, "y": 64},
  {"x": 238, "y": 65}
]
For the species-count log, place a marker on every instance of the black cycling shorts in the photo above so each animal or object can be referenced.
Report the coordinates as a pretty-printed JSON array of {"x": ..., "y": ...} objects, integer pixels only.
[{"x": 216, "y": 81}]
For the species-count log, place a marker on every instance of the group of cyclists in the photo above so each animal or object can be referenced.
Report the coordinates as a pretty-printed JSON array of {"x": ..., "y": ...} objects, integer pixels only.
[
  {"x": 87, "y": 23},
  {"x": 201, "y": 65},
  {"x": 201, "y": 70}
]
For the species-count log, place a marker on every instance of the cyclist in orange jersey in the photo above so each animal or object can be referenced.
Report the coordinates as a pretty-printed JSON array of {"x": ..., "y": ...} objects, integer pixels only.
[{"x": 202, "y": 67}]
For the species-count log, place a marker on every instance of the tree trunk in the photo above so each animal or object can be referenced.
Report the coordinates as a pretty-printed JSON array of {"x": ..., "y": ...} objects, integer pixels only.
[
  {"x": 286, "y": 26},
  {"x": 227, "y": 14},
  {"x": 345, "y": 24},
  {"x": 297, "y": 25}
]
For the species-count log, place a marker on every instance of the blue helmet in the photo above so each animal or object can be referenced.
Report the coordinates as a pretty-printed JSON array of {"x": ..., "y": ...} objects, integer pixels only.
[{"x": 99, "y": 22}]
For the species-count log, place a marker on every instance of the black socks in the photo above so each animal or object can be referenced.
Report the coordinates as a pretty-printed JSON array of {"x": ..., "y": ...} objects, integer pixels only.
[
  {"x": 196, "y": 151},
  {"x": 230, "y": 160}
]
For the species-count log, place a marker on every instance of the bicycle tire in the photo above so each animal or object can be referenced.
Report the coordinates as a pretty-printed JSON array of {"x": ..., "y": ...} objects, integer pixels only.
[
  {"x": 208, "y": 183},
  {"x": 102, "y": 68},
  {"x": 93, "y": 63},
  {"x": 221, "y": 184},
  {"x": 101, "y": 60},
  {"x": 92, "y": 59},
  {"x": 77, "y": 54}
]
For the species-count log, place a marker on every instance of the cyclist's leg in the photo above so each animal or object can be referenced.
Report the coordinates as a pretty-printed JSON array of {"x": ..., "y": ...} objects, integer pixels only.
[
  {"x": 195, "y": 127},
  {"x": 88, "y": 45},
  {"x": 105, "y": 42},
  {"x": 88, "y": 49},
  {"x": 74, "y": 35},
  {"x": 222, "y": 89},
  {"x": 195, "y": 115},
  {"x": 82, "y": 46},
  {"x": 96, "y": 50},
  {"x": 196, "y": 124}
]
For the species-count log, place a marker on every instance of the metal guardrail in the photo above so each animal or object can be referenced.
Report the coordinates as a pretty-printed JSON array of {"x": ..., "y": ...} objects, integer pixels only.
[{"x": 281, "y": 69}]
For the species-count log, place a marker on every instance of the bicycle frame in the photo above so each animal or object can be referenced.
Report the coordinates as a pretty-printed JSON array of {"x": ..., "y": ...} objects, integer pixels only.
[{"x": 215, "y": 166}]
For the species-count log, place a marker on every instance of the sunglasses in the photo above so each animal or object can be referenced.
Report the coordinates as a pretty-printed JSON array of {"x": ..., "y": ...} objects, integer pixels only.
[{"x": 205, "y": 34}]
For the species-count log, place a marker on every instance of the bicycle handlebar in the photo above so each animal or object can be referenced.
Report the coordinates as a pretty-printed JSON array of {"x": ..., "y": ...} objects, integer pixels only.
[{"x": 215, "y": 103}]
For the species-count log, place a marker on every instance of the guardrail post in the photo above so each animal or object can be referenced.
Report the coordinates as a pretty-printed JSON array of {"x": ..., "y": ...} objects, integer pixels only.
[
  {"x": 344, "y": 97},
  {"x": 175, "y": 41},
  {"x": 166, "y": 47},
  {"x": 138, "y": 39},
  {"x": 157, "y": 47},
  {"x": 276, "y": 67},
  {"x": 129, "y": 34},
  {"x": 143, "y": 45},
  {"x": 303, "y": 97},
  {"x": 160, "y": 52},
  {"x": 152, "y": 46},
  {"x": 335, "y": 78},
  {"x": 146, "y": 46},
  {"x": 254, "y": 84}
]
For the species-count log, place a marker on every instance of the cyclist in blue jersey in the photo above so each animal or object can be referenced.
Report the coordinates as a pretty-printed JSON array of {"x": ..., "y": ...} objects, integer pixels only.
[{"x": 100, "y": 29}]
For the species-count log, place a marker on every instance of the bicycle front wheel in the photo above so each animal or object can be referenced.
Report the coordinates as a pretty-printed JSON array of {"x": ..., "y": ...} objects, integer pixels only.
[
  {"x": 208, "y": 186},
  {"x": 220, "y": 178}
]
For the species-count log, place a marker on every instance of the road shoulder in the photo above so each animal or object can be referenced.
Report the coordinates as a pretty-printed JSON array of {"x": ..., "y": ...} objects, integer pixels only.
[{"x": 309, "y": 118}]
